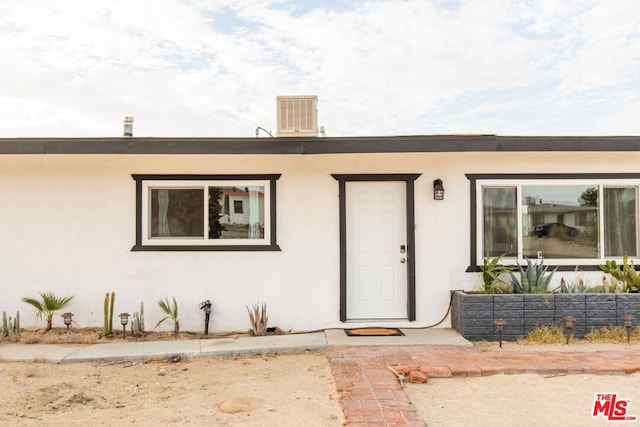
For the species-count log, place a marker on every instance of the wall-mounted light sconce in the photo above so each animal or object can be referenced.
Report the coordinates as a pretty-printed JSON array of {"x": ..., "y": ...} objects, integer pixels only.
[{"x": 438, "y": 190}]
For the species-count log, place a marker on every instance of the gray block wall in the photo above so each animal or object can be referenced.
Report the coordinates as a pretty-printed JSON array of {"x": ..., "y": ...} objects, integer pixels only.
[{"x": 472, "y": 315}]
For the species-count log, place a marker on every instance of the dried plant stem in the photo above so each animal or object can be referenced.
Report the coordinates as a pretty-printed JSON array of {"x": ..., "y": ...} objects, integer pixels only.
[{"x": 258, "y": 318}]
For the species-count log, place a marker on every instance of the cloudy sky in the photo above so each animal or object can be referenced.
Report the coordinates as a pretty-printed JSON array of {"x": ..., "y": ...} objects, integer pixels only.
[{"x": 378, "y": 67}]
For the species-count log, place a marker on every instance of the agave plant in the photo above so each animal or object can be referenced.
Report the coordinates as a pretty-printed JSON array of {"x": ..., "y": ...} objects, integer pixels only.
[
  {"x": 171, "y": 312},
  {"x": 47, "y": 305},
  {"x": 492, "y": 273},
  {"x": 534, "y": 280}
]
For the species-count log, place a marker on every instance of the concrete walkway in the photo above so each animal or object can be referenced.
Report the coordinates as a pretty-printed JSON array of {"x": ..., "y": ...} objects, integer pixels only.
[
  {"x": 218, "y": 347},
  {"x": 371, "y": 395}
]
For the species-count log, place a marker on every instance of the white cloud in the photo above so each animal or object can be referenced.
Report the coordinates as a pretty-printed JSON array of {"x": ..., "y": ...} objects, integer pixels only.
[{"x": 214, "y": 68}]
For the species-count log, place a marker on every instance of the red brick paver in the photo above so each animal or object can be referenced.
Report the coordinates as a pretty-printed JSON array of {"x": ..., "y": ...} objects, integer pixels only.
[{"x": 372, "y": 396}]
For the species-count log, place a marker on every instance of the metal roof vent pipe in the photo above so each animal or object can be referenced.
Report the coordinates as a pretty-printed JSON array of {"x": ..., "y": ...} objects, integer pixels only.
[{"x": 128, "y": 126}]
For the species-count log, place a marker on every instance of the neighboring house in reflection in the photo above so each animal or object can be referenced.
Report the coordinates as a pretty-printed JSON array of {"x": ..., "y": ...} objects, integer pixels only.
[{"x": 572, "y": 216}]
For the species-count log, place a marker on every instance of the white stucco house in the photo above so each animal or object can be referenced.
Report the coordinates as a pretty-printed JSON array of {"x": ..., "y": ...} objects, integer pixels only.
[{"x": 337, "y": 231}]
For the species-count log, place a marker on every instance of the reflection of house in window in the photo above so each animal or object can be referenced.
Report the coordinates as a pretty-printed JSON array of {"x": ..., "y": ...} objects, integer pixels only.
[
  {"x": 573, "y": 216},
  {"x": 242, "y": 212}
]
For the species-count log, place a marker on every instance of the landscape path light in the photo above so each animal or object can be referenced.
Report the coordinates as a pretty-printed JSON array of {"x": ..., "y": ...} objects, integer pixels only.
[
  {"x": 124, "y": 319},
  {"x": 628, "y": 324},
  {"x": 66, "y": 317},
  {"x": 568, "y": 326},
  {"x": 500, "y": 324}
]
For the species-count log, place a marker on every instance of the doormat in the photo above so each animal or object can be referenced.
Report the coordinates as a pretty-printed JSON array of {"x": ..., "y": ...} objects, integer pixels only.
[{"x": 374, "y": 332}]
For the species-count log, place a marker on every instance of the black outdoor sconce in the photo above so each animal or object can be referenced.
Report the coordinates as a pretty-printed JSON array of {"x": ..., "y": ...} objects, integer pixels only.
[
  {"x": 66, "y": 317},
  {"x": 438, "y": 190},
  {"x": 628, "y": 324},
  {"x": 568, "y": 327},
  {"x": 124, "y": 319},
  {"x": 500, "y": 324},
  {"x": 206, "y": 306}
]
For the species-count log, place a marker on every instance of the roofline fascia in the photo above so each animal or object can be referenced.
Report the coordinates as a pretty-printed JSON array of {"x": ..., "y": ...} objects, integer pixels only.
[{"x": 319, "y": 145}]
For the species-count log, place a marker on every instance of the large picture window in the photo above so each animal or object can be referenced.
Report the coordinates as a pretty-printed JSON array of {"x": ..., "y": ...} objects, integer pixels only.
[
  {"x": 570, "y": 219},
  {"x": 210, "y": 212}
]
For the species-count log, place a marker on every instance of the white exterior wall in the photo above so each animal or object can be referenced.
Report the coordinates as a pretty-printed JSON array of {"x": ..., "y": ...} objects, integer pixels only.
[{"x": 67, "y": 224}]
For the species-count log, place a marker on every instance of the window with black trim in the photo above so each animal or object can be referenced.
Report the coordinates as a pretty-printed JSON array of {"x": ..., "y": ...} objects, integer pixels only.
[
  {"x": 569, "y": 219},
  {"x": 205, "y": 212}
]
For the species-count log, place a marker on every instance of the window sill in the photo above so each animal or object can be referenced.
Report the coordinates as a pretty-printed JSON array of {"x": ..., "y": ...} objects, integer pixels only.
[
  {"x": 205, "y": 248},
  {"x": 581, "y": 267}
]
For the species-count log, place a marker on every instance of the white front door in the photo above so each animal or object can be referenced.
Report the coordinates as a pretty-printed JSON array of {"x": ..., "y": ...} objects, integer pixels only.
[{"x": 376, "y": 239}]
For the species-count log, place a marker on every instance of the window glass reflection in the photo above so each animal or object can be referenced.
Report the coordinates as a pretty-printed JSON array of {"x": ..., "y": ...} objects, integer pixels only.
[{"x": 560, "y": 221}]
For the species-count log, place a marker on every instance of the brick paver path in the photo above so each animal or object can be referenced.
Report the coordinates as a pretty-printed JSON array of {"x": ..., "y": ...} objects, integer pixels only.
[{"x": 371, "y": 395}]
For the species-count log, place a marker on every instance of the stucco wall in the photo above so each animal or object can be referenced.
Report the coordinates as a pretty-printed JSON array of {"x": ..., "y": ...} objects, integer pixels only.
[{"x": 67, "y": 224}]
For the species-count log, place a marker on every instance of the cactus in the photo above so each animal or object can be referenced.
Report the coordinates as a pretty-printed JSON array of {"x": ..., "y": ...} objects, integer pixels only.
[
  {"x": 109, "y": 301},
  {"x": 16, "y": 323},
  {"x": 11, "y": 326},
  {"x": 137, "y": 324},
  {"x": 112, "y": 303},
  {"x": 624, "y": 273},
  {"x": 141, "y": 317},
  {"x": 5, "y": 328}
]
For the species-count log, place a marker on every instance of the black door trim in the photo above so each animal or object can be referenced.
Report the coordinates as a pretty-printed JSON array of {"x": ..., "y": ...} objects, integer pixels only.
[{"x": 409, "y": 180}]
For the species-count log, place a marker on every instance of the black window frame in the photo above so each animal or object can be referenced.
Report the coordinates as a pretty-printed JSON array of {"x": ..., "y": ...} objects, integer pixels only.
[
  {"x": 270, "y": 246},
  {"x": 474, "y": 205}
]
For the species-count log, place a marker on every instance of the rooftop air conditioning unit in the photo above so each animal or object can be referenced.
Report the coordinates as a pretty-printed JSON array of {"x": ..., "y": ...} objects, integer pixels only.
[{"x": 297, "y": 115}]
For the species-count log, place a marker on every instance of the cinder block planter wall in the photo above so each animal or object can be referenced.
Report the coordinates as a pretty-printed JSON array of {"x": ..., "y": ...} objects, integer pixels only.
[{"x": 472, "y": 315}]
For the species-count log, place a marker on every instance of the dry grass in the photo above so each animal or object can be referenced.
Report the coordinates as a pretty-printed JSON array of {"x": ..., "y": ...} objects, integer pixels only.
[
  {"x": 554, "y": 334},
  {"x": 94, "y": 336},
  {"x": 613, "y": 334},
  {"x": 546, "y": 334}
]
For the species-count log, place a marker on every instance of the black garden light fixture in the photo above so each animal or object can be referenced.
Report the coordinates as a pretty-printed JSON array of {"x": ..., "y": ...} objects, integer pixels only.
[
  {"x": 628, "y": 324},
  {"x": 500, "y": 324},
  {"x": 568, "y": 326},
  {"x": 438, "y": 190},
  {"x": 124, "y": 319},
  {"x": 206, "y": 307},
  {"x": 66, "y": 317}
]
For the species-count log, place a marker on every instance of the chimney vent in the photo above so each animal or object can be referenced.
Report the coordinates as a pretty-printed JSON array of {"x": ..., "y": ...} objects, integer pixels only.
[
  {"x": 128, "y": 126},
  {"x": 297, "y": 116}
]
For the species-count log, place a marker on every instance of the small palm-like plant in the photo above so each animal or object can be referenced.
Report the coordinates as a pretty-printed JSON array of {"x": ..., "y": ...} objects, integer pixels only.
[
  {"x": 171, "y": 312},
  {"x": 47, "y": 305}
]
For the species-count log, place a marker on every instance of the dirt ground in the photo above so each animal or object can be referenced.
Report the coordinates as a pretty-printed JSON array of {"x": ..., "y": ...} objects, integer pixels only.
[
  {"x": 291, "y": 390},
  {"x": 524, "y": 400},
  {"x": 284, "y": 390}
]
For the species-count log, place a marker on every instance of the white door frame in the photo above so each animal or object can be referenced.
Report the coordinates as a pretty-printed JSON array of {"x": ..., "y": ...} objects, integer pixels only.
[{"x": 409, "y": 180}]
